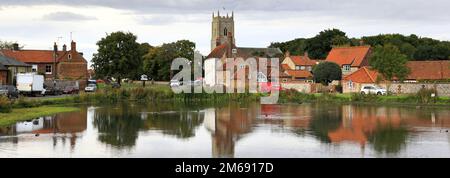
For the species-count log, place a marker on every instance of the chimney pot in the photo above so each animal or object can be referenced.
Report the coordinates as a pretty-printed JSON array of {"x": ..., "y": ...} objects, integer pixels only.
[
  {"x": 64, "y": 48},
  {"x": 55, "y": 47}
]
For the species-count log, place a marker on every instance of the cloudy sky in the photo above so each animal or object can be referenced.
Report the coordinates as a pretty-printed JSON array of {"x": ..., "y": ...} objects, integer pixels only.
[{"x": 38, "y": 23}]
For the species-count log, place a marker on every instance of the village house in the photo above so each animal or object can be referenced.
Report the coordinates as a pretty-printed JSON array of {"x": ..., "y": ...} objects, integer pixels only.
[
  {"x": 350, "y": 59},
  {"x": 69, "y": 65},
  {"x": 428, "y": 74},
  {"x": 9, "y": 68},
  {"x": 297, "y": 68}
]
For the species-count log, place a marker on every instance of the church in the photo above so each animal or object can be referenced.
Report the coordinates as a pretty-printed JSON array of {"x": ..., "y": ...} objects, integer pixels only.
[
  {"x": 223, "y": 43},
  {"x": 223, "y": 46}
]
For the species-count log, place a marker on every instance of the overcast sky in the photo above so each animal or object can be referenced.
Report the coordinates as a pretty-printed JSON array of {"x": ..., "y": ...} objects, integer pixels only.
[{"x": 38, "y": 23}]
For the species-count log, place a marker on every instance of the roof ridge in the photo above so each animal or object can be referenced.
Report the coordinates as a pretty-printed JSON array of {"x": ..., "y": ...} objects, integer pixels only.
[{"x": 341, "y": 47}]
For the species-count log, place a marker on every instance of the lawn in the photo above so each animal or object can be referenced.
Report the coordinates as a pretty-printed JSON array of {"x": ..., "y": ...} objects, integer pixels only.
[{"x": 29, "y": 113}]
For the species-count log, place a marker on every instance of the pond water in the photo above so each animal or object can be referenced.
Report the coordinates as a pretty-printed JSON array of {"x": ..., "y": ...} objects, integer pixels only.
[{"x": 234, "y": 130}]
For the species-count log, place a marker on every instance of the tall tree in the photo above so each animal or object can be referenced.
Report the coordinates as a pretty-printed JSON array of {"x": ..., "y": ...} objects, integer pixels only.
[
  {"x": 118, "y": 56},
  {"x": 326, "y": 72},
  {"x": 158, "y": 60},
  {"x": 319, "y": 46},
  {"x": 390, "y": 62}
]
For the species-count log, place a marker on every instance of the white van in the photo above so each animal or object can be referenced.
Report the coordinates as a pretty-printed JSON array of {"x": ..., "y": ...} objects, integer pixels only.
[{"x": 30, "y": 84}]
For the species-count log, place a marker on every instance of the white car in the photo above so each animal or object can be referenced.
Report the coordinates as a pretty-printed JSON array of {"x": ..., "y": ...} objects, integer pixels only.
[
  {"x": 175, "y": 83},
  {"x": 373, "y": 90},
  {"x": 91, "y": 88}
]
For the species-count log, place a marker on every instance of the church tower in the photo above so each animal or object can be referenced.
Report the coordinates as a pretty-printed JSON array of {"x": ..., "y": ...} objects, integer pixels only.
[{"x": 222, "y": 27}]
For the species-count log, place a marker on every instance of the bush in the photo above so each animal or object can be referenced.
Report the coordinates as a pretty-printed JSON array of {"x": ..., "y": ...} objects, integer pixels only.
[
  {"x": 23, "y": 103},
  {"x": 5, "y": 105},
  {"x": 425, "y": 96}
]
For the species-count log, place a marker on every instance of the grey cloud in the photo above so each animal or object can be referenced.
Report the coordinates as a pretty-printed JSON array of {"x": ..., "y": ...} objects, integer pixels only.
[{"x": 66, "y": 16}]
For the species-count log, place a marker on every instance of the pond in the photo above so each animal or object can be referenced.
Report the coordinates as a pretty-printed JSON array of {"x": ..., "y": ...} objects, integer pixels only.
[{"x": 167, "y": 130}]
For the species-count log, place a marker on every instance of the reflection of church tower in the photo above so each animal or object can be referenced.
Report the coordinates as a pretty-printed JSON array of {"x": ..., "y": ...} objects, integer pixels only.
[{"x": 221, "y": 27}]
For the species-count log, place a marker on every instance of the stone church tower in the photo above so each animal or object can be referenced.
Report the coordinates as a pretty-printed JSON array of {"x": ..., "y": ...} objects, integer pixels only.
[{"x": 222, "y": 26}]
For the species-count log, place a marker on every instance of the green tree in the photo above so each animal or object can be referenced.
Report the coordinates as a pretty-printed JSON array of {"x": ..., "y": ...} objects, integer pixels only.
[
  {"x": 326, "y": 72},
  {"x": 158, "y": 60},
  {"x": 319, "y": 46},
  {"x": 118, "y": 56},
  {"x": 390, "y": 62}
]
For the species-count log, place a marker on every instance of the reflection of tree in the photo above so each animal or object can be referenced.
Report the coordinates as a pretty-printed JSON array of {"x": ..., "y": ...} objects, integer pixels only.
[
  {"x": 181, "y": 125},
  {"x": 325, "y": 121},
  {"x": 388, "y": 138},
  {"x": 118, "y": 127}
]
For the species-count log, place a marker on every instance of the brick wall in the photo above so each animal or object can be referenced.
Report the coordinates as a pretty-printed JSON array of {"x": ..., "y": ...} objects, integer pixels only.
[
  {"x": 443, "y": 89},
  {"x": 72, "y": 70}
]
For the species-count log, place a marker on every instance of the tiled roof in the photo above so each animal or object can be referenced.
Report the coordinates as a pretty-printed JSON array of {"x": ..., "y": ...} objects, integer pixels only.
[
  {"x": 302, "y": 61},
  {"x": 31, "y": 56},
  {"x": 6, "y": 61},
  {"x": 353, "y": 56},
  {"x": 218, "y": 52},
  {"x": 299, "y": 73},
  {"x": 285, "y": 67},
  {"x": 363, "y": 75},
  {"x": 429, "y": 70}
]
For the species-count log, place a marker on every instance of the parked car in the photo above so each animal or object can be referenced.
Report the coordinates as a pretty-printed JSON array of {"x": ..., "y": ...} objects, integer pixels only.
[
  {"x": 91, "y": 88},
  {"x": 53, "y": 90},
  {"x": 71, "y": 90},
  {"x": 175, "y": 83},
  {"x": 9, "y": 91},
  {"x": 373, "y": 90}
]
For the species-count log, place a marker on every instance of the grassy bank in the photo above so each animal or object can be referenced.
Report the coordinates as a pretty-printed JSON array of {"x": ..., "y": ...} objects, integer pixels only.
[{"x": 27, "y": 113}]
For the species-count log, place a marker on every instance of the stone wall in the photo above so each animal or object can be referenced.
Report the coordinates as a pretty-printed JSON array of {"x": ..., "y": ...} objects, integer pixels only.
[
  {"x": 443, "y": 89},
  {"x": 299, "y": 86}
]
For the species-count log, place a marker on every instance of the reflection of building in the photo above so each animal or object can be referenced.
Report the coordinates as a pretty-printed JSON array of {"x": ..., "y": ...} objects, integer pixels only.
[
  {"x": 64, "y": 123},
  {"x": 227, "y": 125}
]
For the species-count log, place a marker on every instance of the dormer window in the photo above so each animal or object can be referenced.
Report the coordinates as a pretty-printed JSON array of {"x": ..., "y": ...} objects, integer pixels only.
[{"x": 347, "y": 68}]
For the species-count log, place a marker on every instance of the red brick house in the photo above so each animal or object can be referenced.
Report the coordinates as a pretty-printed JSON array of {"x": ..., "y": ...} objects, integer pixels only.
[
  {"x": 53, "y": 64},
  {"x": 350, "y": 59}
]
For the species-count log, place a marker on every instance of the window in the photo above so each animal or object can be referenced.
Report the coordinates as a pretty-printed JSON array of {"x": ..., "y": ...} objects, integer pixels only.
[
  {"x": 225, "y": 32},
  {"x": 69, "y": 56},
  {"x": 309, "y": 68},
  {"x": 297, "y": 67},
  {"x": 302, "y": 67},
  {"x": 48, "y": 69},
  {"x": 34, "y": 68},
  {"x": 347, "y": 68}
]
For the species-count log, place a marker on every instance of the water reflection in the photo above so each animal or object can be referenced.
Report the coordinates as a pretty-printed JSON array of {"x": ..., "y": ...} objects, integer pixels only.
[{"x": 225, "y": 130}]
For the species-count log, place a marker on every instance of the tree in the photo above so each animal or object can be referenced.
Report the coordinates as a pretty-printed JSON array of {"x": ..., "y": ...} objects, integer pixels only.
[
  {"x": 8, "y": 45},
  {"x": 118, "y": 56},
  {"x": 390, "y": 62},
  {"x": 158, "y": 60},
  {"x": 326, "y": 72},
  {"x": 319, "y": 46}
]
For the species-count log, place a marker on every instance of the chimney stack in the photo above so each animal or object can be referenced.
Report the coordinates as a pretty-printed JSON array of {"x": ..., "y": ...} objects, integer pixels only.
[
  {"x": 55, "y": 48},
  {"x": 15, "y": 46},
  {"x": 64, "y": 47},
  {"x": 218, "y": 42},
  {"x": 306, "y": 54},
  {"x": 73, "y": 47}
]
